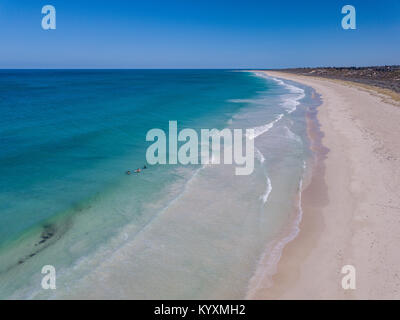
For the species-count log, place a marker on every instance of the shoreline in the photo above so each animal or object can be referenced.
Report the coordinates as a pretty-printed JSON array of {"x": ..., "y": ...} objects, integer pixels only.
[
  {"x": 339, "y": 225},
  {"x": 313, "y": 168}
]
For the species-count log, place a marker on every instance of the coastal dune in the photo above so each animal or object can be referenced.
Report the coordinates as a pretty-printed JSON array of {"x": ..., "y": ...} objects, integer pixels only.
[{"x": 351, "y": 206}]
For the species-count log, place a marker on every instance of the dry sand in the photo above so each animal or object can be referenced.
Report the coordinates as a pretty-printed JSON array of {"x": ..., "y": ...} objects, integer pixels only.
[{"x": 351, "y": 208}]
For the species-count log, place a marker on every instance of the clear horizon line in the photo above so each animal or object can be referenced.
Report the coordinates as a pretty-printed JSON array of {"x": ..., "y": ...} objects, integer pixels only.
[{"x": 161, "y": 68}]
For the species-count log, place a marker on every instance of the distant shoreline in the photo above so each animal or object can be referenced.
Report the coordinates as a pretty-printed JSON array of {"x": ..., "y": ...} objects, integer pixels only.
[{"x": 386, "y": 78}]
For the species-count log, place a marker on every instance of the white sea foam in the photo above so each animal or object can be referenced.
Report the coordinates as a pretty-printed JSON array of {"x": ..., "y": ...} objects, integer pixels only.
[
  {"x": 264, "y": 128},
  {"x": 268, "y": 262},
  {"x": 261, "y": 74},
  {"x": 265, "y": 196},
  {"x": 291, "y": 100},
  {"x": 259, "y": 156},
  {"x": 290, "y": 104}
]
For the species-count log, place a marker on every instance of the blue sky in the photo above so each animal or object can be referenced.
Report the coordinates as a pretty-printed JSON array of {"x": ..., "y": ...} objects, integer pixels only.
[{"x": 198, "y": 34}]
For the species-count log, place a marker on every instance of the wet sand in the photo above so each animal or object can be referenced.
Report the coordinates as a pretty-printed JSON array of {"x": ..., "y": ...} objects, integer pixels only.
[{"x": 351, "y": 206}]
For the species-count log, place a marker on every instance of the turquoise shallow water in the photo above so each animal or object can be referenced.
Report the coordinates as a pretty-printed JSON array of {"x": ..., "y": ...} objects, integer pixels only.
[{"x": 67, "y": 138}]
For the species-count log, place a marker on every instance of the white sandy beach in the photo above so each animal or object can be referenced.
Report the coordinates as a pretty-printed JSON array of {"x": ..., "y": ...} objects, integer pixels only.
[{"x": 351, "y": 208}]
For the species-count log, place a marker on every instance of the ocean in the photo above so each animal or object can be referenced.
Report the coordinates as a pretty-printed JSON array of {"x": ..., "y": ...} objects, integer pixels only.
[{"x": 67, "y": 137}]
